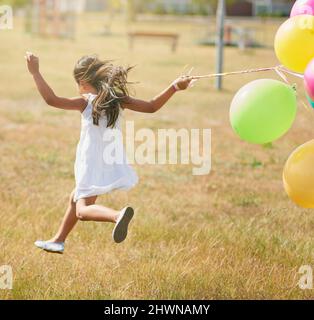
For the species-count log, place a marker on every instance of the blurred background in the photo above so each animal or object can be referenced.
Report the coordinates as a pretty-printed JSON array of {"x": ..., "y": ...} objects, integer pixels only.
[
  {"x": 152, "y": 26},
  {"x": 60, "y": 18}
]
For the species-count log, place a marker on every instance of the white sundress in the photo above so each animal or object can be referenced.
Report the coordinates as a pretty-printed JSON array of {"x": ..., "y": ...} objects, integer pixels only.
[{"x": 93, "y": 176}]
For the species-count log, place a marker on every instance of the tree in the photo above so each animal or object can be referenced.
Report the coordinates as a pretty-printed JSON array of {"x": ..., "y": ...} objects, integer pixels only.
[
  {"x": 135, "y": 6},
  {"x": 211, "y": 5},
  {"x": 15, "y": 3}
]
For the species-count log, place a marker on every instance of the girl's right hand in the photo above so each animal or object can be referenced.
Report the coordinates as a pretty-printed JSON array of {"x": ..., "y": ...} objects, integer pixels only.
[
  {"x": 183, "y": 83},
  {"x": 32, "y": 63}
]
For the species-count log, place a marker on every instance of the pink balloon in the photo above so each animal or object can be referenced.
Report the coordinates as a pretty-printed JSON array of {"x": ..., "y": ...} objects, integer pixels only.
[
  {"x": 309, "y": 79},
  {"x": 303, "y": 7},
  {"x": 307, "y": 90}
]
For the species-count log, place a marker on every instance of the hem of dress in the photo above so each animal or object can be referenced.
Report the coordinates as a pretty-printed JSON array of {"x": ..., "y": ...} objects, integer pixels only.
[{"x": 101, "y": 191}]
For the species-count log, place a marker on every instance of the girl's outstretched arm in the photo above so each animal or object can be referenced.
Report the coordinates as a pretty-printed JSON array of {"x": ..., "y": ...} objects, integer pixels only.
[
  {"x": 47, "y": 93},
  {"x": 160, "y": 100}
]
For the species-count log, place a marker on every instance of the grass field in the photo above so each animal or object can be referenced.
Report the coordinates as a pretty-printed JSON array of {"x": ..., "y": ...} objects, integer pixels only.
[{"x": 231, "y": 234}]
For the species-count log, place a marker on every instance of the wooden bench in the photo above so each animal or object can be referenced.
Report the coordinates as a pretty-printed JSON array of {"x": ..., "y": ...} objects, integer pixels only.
[{"x": 153, "y": 35}]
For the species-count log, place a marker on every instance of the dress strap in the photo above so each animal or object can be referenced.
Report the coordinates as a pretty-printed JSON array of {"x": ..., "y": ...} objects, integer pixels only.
[{"x": 89, "y": 96}]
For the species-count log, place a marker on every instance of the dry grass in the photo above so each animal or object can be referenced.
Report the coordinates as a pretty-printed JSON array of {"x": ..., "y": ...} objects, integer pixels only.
[{"x": 231, "y": 234}]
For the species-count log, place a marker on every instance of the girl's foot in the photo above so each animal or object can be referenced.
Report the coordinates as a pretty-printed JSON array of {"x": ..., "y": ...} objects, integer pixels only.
[
  {"x": 120, "y": 230},
  {"x": 54, "y": 247}
]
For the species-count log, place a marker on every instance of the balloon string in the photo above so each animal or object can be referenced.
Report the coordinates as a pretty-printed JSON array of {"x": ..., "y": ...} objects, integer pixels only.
[
  {"x": 212, "y": 75},
  {"x": 299, "y": 75},
  {"x": 279, "y": 68},
  {"x": 280, "y": 71},
  {"x": 282, "y": 75},
  {"x": 305, "y": 105}
]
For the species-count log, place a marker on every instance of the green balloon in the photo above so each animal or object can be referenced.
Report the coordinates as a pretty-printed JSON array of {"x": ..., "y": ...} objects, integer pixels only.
[{"x": 263, "y": 110}]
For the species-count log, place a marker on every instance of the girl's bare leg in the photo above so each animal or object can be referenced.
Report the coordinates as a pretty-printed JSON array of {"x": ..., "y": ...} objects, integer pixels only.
[
  {"x": 87, "y": 210},
  {"x": 68, "y": 222}
]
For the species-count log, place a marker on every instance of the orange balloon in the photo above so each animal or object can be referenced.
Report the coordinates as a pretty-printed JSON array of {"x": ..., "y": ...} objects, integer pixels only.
[{"x": 298, "y": 175}]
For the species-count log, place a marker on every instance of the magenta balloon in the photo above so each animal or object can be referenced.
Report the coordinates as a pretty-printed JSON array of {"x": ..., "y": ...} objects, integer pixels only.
[
  {"x": 302, "y": 7},
  {"x": 308, "y": 91},
  {"x": 309, "y": 79}
]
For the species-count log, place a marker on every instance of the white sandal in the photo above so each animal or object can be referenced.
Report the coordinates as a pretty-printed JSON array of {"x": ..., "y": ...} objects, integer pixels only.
[
  {"x": 55, "y": 247},
  {"x": 120, "y": 230}
]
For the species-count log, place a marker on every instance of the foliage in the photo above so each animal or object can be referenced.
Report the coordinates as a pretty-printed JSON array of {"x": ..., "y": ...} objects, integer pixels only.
[
  {"x": 133, "y": 7},
  {"x": 212, "y": 4},
  {"x": 14, "y": 3}
]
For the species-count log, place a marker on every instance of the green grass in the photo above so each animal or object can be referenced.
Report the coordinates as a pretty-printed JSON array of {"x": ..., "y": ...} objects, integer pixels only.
[{"x": 231, "y": 234}]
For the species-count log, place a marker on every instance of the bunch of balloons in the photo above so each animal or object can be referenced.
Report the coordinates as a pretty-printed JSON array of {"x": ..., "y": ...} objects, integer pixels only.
[
  {"x": 294, "y": 41},
  {"x": 294, "y": 44},
  {"x": 264, "y": 110}
]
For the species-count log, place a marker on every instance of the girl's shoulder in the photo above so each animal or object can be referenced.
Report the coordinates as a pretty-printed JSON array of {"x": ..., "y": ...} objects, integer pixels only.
[{"x": 89, "y": 96}]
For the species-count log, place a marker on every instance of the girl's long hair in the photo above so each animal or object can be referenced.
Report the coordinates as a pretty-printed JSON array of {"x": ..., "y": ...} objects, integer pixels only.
[{"x": 109, "y": 80}]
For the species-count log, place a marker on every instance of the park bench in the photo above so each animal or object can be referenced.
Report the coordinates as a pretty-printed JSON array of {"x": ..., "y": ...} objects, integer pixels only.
[
  {"x": 244, "y": 36},
  {"x": 153, "y": 35}
]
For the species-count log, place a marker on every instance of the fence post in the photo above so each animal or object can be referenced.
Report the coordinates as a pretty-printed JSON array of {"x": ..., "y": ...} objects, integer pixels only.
[{"x": 220, "y": 17}]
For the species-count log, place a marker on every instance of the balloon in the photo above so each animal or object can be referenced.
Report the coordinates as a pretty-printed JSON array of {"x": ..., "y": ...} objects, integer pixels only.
[
  {"x": 302, "y": 7},
  {"x": 263, "y": 110},
  {"x": 307, "y": 90},
  {"x": 311, "y": 102},
  {"x": 294, "y": 42},
  {"x": 298, "y": 175},
  {"x": 309, "y": 79}
]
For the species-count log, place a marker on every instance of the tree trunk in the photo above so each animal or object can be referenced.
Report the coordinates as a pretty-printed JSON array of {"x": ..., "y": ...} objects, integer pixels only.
[{"x": 131, "y": 10}]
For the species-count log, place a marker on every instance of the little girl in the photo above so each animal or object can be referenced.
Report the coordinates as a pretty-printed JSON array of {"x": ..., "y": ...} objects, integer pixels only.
[{"x": 103, "y": 96}]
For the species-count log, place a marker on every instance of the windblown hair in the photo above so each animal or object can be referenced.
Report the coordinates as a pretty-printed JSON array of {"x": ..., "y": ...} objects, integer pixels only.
[{"x": 109, "y": 80}]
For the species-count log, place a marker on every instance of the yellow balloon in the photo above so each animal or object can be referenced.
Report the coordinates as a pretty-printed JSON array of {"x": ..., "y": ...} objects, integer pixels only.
[
  {"x": 294, "y": 42},
  {"x": 298, "y": 175}
]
